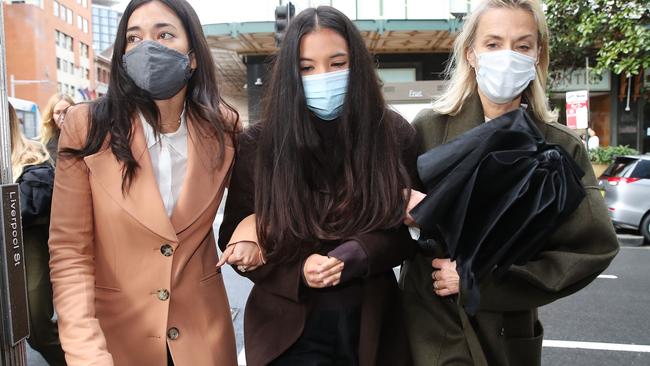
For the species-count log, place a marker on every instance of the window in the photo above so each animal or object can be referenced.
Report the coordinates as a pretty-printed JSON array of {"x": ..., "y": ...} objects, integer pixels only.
[
  {"x": 65, "y": 66},
  {"x": 87, "y": 74},
  {"x": 84, "y": 49},
  {"x": 62, "y": 12},
  {"x": 103, "y": 12},
  {"x": 104, "y": 29},
  {"x": 58, "y": 63},
  {"x": 79, "y": 22},
  {"x": 69, "y": 16},
  {"x": 642, "y": 170},
  {"x": 95, "y": 19},
  {"x": 95, "y": 38},
  {"x": 85, "y": 25},
  {"x": 56, "y": 37},
  {"x": 95, "y": 11},
  {"x": 84, "y": 3},
  {"x": 68, "y": 43},
  {"x": 56, "y": 9},
  {"x": 105, "y": 38}
]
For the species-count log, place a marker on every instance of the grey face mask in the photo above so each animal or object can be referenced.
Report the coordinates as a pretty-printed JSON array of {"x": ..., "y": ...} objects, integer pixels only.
[{"x": 156, "y": 69}]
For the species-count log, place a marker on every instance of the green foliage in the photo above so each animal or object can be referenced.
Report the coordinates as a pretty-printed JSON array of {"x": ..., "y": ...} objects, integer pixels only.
[
  {"x": 607, "y": 154},
  {"x": 614, "y": 33}
]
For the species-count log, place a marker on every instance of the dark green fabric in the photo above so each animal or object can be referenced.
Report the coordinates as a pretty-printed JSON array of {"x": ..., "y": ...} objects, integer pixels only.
[
  {"x": 44, "y": 334},
  {"x": 506, "y": 330}
]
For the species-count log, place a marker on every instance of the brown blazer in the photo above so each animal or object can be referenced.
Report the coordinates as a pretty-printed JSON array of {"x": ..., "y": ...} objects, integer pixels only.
[
  {"x": 111, "y": 263},
  {"x": 279, "y": 303}
]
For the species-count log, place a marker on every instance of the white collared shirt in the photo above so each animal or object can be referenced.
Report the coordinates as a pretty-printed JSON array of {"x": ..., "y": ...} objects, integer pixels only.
[{"x": 169, "y": 160}]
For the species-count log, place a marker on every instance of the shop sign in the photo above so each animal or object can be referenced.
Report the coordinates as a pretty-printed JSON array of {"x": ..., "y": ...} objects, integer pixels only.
[
  {"x": 577, "y": 109},
  {"x": 576, "y": 79}
]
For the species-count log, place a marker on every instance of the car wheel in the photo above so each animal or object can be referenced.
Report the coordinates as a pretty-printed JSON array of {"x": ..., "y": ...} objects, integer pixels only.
[{"x": 645, "y": 228}]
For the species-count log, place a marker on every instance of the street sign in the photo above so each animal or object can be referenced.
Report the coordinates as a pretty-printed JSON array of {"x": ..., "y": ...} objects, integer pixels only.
[
  {"x": 14, "y": 288},
  {"x": 577, "y": 109}
]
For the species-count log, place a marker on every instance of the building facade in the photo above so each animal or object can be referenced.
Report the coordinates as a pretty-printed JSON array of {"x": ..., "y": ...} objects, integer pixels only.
[
  {"x": 49, "y": 49},
  {"x": 105, "y": 20}
]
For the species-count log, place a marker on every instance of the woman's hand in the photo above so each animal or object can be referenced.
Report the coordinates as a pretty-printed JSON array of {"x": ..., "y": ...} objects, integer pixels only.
[
  {"x": 445, "y": 278},
  {"x": 246, "y": 255},
  {"x": 416, "y": 197},
  {"x": 321, "y": 271}
]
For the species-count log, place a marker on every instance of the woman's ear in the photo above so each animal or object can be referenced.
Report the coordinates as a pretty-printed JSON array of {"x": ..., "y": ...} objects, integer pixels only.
[
  {"x": 470, "y": 55},
  {"x": 192, "y": 61}
]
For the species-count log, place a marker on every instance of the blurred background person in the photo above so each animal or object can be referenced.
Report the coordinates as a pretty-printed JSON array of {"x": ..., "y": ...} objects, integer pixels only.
[
  {"x": 51, "y": 122},
  {"x": 33, "y": 172}
]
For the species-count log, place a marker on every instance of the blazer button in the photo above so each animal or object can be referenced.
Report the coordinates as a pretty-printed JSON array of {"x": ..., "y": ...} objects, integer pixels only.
[
  {"x": 173, "y": 333},
  {"x": 167, "y": 250},
  {"x": 502, "y": 332},
  {"x": 163, "y": 294}
]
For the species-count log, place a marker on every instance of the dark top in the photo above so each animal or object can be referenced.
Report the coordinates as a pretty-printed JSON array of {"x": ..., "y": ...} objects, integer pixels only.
[
  {"x": 280, "y": 302},
  {"x": 52, "y": 146},
  {"x": 36, "y": 183}
]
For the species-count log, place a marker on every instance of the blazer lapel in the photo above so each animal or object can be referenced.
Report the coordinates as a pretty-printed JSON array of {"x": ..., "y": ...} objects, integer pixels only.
[
  {"x": 142, "y": 201},
  {"x": 203, "y": 182},
  {"x": 469, "y": 117}
]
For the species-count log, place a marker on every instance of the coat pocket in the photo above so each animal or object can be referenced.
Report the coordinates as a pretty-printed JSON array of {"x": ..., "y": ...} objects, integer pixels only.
[{"x": 526, "y": 351}]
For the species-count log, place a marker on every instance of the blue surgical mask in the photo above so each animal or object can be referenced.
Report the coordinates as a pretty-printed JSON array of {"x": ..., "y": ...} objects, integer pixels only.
[
  {"x": 503, "y": 75},
  {"x": 325, "y": 93}
]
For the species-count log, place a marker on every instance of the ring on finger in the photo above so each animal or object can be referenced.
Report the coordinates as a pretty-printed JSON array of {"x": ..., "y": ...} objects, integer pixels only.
[
  {"x": 435, "y": 285},
  {"x": 434, "y": 276},
  {"x": 242, "y": 268}
]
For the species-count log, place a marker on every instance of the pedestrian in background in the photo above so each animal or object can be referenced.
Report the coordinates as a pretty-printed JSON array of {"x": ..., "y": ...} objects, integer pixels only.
[
  {"x": 51, "y": 122},
  {"x": 324, "y": 174},
  {"x": 34, "y": 174},
  {"x": 500, "y": 62},
  {"x": 139, "y": 180}
]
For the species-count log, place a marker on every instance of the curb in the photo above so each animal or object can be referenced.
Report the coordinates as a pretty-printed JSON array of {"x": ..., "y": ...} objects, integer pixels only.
[{"x": 630, "y": 240}]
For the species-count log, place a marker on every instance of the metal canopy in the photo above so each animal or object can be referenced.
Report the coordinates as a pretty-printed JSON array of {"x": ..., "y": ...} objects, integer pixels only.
[
  {"x": 381, "y": 36},
  {"x": 230, "y": 41}
]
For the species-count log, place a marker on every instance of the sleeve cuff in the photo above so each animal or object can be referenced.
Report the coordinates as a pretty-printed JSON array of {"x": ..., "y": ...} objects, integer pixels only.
[{"x": 354, "y": 258}]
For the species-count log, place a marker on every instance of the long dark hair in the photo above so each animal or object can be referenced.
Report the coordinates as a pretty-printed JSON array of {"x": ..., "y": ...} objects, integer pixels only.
[
  {"x": 111, "y": 115},
  {"x": 289, "y": 203}
]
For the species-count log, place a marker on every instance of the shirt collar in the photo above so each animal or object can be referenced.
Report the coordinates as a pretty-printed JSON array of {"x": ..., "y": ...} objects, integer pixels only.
[{"x": 177, "y": 139}]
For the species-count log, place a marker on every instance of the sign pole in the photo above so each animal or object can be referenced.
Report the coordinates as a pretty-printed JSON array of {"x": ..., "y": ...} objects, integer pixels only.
[
  {"x": 588, "y": 103},
  {"x": 13, "y": 292}
]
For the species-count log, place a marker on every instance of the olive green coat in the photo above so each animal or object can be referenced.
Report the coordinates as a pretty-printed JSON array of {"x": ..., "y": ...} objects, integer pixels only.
[{"x": 505, "y": 331}]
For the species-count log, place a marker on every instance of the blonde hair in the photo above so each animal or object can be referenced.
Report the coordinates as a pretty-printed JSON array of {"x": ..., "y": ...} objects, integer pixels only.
[
  {"x": 24, "y": 152},
  {"x": 48, "y": 125},
  {"x": 462, "y": 79}
]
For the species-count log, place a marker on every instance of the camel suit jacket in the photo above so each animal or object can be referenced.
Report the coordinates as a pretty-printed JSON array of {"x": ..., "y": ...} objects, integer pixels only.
[{"x": 129, "y": 281}]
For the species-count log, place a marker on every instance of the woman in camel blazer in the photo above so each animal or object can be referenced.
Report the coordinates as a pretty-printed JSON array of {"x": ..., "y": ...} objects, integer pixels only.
[{"x": 140, "y": 177}]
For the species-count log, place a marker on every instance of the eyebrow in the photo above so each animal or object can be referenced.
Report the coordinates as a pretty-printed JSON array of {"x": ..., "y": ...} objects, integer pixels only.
[
  {"x": 156, "y": 26},
  {"x": 494, "y": 36},
  {"x": 339, "y": 54}
]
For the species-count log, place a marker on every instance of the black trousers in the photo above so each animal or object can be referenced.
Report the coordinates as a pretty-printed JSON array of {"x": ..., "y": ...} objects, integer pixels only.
[{"x": 330, "y": 338}]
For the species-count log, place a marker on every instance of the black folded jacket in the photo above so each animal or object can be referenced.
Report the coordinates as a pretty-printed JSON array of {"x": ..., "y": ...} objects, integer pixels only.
[{"x": 494, "y": 195}]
